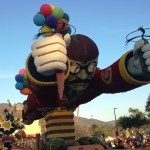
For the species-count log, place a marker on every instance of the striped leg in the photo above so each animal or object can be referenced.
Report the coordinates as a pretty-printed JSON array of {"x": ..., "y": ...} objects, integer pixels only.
[{"x": 60, "y": 124}]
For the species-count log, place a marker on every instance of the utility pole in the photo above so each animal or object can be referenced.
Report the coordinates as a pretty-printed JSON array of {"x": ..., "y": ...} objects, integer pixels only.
[
  {"x": 77, "y": 119},
  {"x": 116, "y": 121},
  {"x": 77, "y": 122}
]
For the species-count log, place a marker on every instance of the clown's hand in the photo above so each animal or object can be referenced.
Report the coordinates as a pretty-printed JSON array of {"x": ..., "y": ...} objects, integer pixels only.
[
  {"x": 139, "y": 64},
  {"x": 50, "y": 54}
]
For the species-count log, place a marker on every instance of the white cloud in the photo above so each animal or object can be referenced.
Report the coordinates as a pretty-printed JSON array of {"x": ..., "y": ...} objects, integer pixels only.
[{"x": 6, "y": 75}]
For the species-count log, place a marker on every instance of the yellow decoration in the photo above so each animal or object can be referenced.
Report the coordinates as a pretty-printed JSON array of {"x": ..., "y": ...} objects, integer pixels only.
[
  {"x": 59, "y": 121},
  {"x": 59, "y": 113},
  {"x": 6, "y": 125},
  {"x": 17, "y": 121}
]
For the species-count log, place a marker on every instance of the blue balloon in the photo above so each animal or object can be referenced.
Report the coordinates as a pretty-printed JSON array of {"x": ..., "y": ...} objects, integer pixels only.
[
  {"x": 19, "y": 78},
  {"x": 39, "y": 19},
  {"x": 19, "y": 86}
]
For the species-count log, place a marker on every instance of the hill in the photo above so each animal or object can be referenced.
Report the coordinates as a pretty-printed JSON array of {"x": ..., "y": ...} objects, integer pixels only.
[
  {"x": 81, "y": 120},
  {"x": 89, "y": 122}
]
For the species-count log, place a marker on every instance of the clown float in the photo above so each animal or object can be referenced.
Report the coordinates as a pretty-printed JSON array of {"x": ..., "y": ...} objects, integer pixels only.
[{"x": 61, "y": 74}]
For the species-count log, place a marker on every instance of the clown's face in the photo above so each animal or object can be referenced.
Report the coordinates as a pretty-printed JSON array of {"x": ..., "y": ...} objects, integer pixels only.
[{"x": 80, "y": 74}]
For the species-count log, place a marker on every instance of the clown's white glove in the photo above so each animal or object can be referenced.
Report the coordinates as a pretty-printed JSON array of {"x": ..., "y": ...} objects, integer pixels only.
[
  {"x": 50, "y": 54},
  {"x": 139, "y": 64}
]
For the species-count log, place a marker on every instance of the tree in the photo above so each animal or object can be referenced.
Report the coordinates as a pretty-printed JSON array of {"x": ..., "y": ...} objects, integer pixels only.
[
  {"x": 135, "y": 119},
  {"x": 95, "y": 130},
  {"x": 82, "y": 131},
  {"x": 147, "y": 107}
]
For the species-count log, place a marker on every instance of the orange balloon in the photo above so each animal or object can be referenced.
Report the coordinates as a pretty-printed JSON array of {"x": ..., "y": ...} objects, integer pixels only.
[
  {"x": 62, "y": 24},
  {"x": 25, "y": 91}
]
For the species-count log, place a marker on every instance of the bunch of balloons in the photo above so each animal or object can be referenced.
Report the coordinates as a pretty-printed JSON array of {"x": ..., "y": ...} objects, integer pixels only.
[
  {"x": 21, "y": 82},
  {"x": 52, "y": 19}
]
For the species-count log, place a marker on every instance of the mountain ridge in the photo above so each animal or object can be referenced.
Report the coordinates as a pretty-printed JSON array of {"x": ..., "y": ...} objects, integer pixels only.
[{"x": 81, "y": 120}]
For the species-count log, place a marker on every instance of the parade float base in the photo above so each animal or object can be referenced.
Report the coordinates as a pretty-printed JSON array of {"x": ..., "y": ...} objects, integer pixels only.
[{"x": 86, "y": 147}]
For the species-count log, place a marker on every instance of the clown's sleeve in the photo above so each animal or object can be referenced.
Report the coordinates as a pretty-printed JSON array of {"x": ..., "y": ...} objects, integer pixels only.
[{"x": 116, "y": 78}]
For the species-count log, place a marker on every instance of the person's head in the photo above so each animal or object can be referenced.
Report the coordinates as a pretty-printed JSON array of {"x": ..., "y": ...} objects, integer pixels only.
[
  {"x": 83, "y": 55},
  {"x": 8, "y": 144}
]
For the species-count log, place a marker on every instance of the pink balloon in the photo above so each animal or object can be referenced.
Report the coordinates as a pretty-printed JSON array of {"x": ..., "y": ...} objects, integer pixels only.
[{"x": 22, "y": 72}]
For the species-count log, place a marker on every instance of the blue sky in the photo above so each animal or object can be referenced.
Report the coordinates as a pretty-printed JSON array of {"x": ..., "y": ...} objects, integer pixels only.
[{"x": 107, "y": 22}]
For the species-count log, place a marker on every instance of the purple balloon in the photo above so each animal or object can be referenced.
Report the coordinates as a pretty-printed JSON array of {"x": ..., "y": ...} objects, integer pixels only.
[{"x": 51, "y": 21}]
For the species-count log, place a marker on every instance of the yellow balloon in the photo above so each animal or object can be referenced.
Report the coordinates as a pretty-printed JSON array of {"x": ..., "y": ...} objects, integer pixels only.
[
  {"x": 46, "y": 31},
  {"x": 52, "y": 6}
]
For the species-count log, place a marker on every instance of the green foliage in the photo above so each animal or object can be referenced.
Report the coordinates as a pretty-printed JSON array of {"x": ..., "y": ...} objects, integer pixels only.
[
  {"x": 147, "y": 107},
  {"x": 125, "y": 122},
  {"x": 82, "y": 131},
  {"x": 98, "y": 131},
  {"x": 95, "y": 130},
  {"x": 135, "y": 119}
]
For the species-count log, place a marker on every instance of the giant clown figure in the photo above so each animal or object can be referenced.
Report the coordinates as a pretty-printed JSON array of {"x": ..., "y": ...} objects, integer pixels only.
[{"x": 62, "y": 73}]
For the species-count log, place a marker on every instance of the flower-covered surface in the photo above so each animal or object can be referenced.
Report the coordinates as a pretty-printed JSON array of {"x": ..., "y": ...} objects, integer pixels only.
[{"x": 9, "y": 123}]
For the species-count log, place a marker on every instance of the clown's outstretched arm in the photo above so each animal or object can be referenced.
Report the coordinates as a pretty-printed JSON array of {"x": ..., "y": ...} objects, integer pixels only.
[{"x": 138, "y": 66}]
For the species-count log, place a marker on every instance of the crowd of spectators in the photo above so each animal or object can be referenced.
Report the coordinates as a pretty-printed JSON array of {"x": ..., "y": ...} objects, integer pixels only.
[
  {"x": 138, "y": 142},
  {"x": 126, "y": 143}
]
